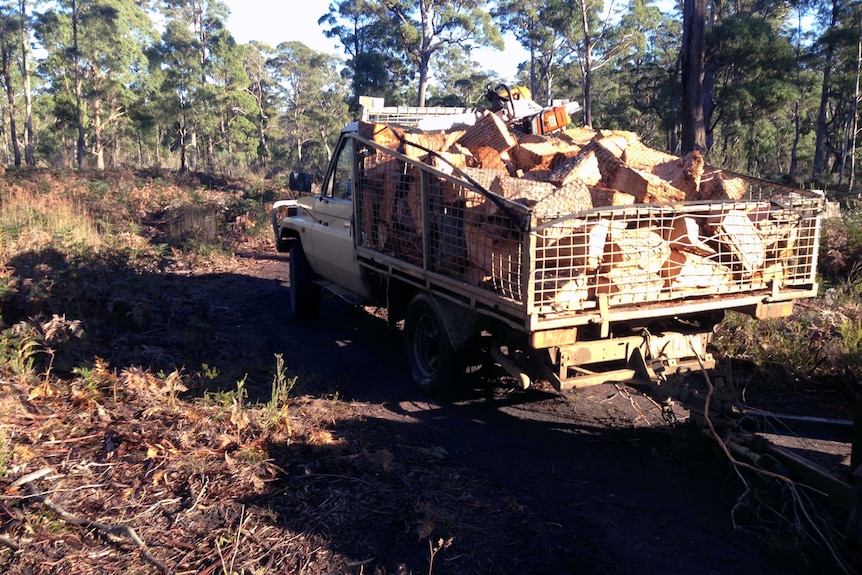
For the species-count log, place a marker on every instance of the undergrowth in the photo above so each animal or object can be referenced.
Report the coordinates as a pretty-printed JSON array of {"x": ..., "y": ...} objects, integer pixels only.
[
  {"x": 94, "y": 250},
  {"x": 820, "y": 343},
  {"x": 100, "y": 324}
]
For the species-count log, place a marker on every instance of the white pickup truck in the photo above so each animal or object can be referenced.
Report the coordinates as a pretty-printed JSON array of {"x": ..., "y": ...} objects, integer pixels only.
[{"x": 618, "y": 291}]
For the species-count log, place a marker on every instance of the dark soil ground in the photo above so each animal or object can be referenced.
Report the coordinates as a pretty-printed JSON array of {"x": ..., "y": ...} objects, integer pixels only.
[
  {"x": 371, "y": 476},
  {"x": 590, "y": 481}
]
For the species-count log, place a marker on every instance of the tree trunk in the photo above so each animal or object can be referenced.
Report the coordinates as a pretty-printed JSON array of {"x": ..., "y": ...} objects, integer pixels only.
[
  {"x": 426, "y": 15},
  {"x": 797, "y": 128},
  {"x": 693, "y": 54},
  {"x": 10, "y": 95},
  {"x": 159, "y": 133},
  {"x": 588, "y": 67},
  {"x": 854, "y": 122},
  {"x": 181, "y": 133},
  {"x": 820, "y": 140},
  {"x": 532, "y": 66},
  {"x": 29, "y": 152},
  {"x": 80, "y": 148},
  {"x": 98, "y": 144}
]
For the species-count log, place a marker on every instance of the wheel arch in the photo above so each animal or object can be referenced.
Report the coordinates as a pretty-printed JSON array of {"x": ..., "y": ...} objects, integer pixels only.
[
  {"x": 285, "y": 238},
  {"x": 460, "y": 323}
]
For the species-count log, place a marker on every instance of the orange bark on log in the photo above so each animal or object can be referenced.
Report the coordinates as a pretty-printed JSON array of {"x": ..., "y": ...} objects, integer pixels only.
[
  {"x": 603, "y": 197},
  {"x": 488, "y": 132},
  {"x": 716, "y": 185}
]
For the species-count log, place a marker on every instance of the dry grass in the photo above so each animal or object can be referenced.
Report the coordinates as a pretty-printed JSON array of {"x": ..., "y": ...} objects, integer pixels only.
[
  {"x": 30, "y": 220},
  {"x": 122, "y": 450},
  {"x": 139, "y": 413},
  {"x": 142, "y": 465}
]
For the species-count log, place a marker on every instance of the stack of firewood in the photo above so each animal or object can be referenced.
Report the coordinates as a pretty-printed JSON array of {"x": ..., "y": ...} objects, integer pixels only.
[{"x": 576, "y": 170}]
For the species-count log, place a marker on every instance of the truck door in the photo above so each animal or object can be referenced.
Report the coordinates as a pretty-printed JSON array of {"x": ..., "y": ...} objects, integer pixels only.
[{"x": 333, "y": 243}]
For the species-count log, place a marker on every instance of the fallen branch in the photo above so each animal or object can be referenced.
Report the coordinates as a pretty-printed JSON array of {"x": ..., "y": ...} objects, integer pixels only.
[
  {"x": 9, "y": 543},
  {"x": 31, "y": 477},
  {"x": 116, "y": 530},
  {"x": 739, "y": 465}
]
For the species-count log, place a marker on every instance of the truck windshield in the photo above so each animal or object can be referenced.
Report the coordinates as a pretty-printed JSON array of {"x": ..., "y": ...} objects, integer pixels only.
[{"x": 340, "y": 185}]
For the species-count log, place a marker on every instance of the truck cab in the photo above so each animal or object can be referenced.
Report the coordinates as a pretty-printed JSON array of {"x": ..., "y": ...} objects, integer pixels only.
[{"x": 320, "y": 233}]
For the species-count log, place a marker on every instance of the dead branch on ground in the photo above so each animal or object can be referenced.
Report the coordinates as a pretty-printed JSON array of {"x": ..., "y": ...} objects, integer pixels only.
[
  {"x": 115, "y": 530},
  {"x": 792, "y": 486}
]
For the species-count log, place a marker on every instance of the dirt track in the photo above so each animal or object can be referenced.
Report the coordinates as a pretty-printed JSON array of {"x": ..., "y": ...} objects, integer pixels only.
[{"x": 522, "y": 482}]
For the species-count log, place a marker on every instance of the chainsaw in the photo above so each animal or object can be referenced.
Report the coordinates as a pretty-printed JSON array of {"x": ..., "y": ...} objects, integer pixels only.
[{"x": 517, "y": 108}]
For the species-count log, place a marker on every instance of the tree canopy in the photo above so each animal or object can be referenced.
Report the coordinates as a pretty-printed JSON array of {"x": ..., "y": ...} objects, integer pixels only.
[{"x": 772, "y": 86}]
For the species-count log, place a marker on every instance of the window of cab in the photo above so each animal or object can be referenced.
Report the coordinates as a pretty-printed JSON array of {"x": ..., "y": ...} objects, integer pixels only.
[{"x": 340, "y": 185}]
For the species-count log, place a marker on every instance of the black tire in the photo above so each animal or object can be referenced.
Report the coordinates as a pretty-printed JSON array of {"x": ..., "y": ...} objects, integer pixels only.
[
  {"x": 434, "y": 364},
  {"x": 304, "y": 293}
]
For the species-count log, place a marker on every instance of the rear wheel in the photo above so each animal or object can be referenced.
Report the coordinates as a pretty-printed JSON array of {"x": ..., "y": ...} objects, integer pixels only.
[
  {"x": 434, "y": 363},
  {"x": 304, "y": 293}
]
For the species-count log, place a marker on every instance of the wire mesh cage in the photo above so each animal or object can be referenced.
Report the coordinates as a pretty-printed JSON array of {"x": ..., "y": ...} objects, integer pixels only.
[
  {"x": 643, "y": 254},
  {"x": 548, "y": 249},
  {"x": 440, "y": 223}
]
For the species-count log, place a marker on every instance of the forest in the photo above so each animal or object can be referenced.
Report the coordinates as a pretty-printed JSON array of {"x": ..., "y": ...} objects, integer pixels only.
[{"x": 93, "y": 84}]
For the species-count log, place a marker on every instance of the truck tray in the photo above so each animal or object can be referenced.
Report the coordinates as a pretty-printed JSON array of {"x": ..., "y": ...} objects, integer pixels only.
[{"x": 511, "y": 247}]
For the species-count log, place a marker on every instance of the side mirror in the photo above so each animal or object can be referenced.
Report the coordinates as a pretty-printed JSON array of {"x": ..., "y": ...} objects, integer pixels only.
[{"x": 299, "y": 182}]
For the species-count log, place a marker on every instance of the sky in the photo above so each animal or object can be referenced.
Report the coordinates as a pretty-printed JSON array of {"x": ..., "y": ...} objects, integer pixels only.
[{"x": 277, "y": 21}]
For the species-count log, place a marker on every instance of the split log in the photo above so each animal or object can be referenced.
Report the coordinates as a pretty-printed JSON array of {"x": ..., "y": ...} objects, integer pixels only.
[
  {"x": 785, "y": 248},
  {"x": 641, "y": 157},
  {"x": 739, "y": 235},
  {"x": 627, "y": 284},
  {"x": 489, "y": 132},
  {"x": 543, "y": 197},
  {"x": 774, "y": 272},
  {"x": 380, "y": 191},
  {"x": 537, "y": 175},
  {"x": 571, "y": 198},
  {"x": 386, "y": 135},
  {"x": 645, "y": 187},
  {"x": 490, "y": 159},
  {"x": 603, "y": 197},
  {"x": 640, "y": 246},
  {"x": 494, "y": 258},
  {"x": 563, "y": 290},
  {"x": 447, "y": 162},
  {"x": 617, "y": 141},
  {"x": 417, "y": 143},
  {"x": 717, "y": 185},
  {"x": 684, "y": 234},
  {"x": 540, "y": 152},
  {"x": 777, "y": 227},
  {"x": 585, "y": 169},
  {"x": 415, "y": 218},
  {"x": 683, "y": 173},
  {"x": 581, "y": 246},
  {"x": 685, "y": 270},
  {"x": 578, "y": 136},
  {"x": 486, "y": 179},
  {"x": 592, "y": 165}
]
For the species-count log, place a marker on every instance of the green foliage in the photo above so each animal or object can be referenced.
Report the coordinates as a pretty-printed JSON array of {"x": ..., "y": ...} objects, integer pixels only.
[
  {"x": 311, "y": 109},
  {"x": 276, "y": 409},
  {"x": 411, "y": 32},
  {"x": 184, "y": 94},
  {"x": 7, "y": 450},
  {"x": 841, "y": 247},
  {"x": 821, "y": 341},
  {"x": 20, "y": 347}
]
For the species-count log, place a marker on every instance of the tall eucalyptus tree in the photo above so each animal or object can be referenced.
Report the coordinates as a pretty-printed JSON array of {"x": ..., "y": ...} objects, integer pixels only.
[{"x": 95, "y": 52}]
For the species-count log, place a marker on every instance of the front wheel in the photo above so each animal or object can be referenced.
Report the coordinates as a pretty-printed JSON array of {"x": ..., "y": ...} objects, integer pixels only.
[
  {"x": 433, "y": 361},
  {"x": 304, "y": 293}
]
